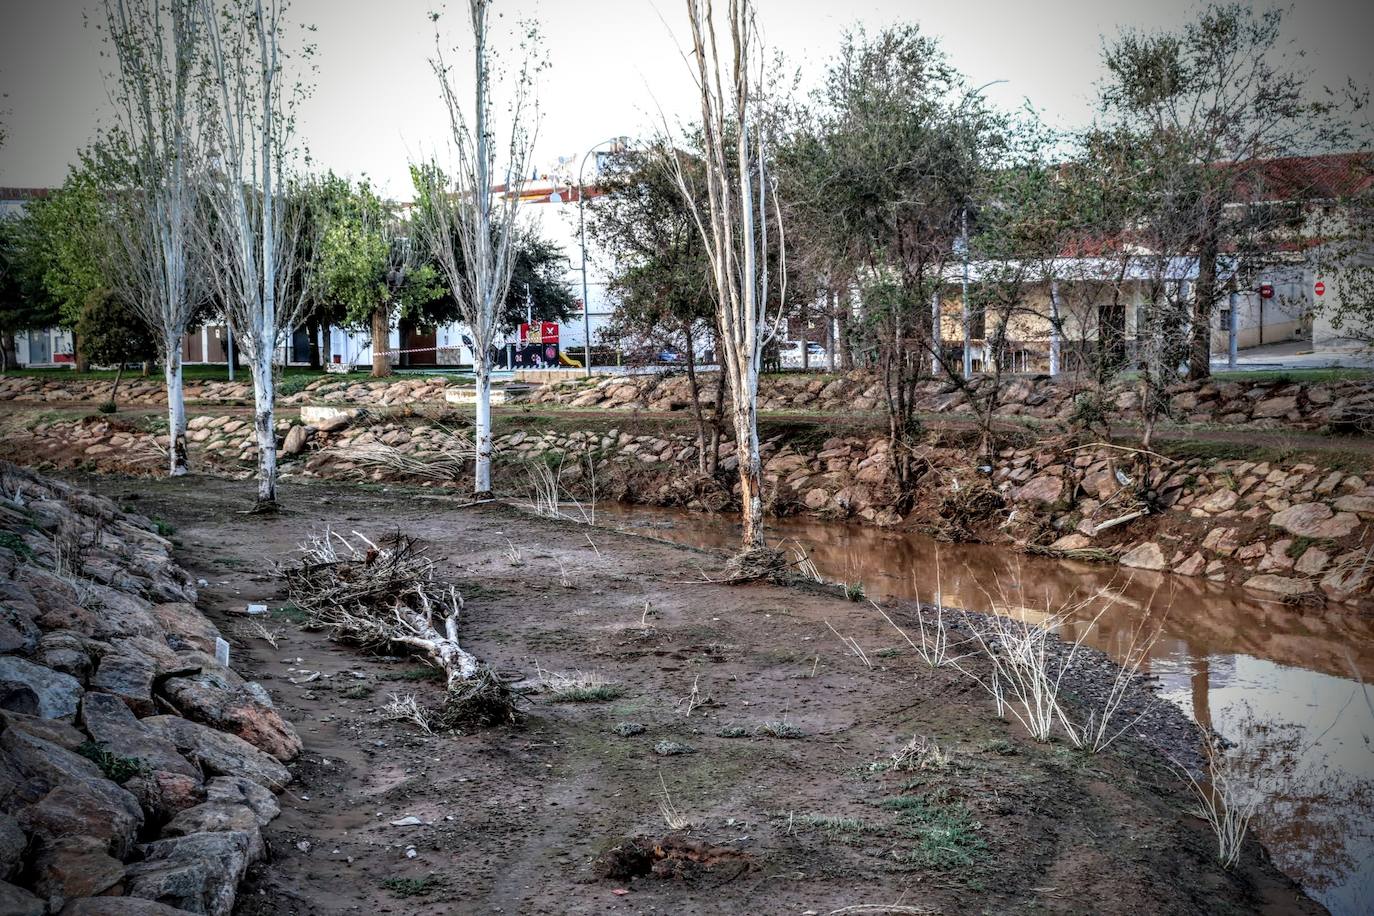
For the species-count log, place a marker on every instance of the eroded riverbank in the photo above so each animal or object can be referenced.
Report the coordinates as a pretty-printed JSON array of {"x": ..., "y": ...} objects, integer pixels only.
[{"x": 517, "y": 819}]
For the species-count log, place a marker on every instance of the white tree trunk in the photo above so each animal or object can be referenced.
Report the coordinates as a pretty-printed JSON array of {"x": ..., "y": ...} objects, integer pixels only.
[
  {"x": 176, "y": 412},
  {"x": 481, "y": 483},
  {"x": 264, "y": 425}
]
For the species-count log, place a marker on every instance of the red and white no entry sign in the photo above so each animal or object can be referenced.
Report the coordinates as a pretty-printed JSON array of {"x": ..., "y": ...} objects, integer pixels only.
[
  {"x": 1319, "y": 288},
  {"x": 1266, "y": 291}
]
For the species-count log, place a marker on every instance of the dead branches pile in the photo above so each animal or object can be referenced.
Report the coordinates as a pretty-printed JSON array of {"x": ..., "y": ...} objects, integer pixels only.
[{"x": 386, "y": 597}]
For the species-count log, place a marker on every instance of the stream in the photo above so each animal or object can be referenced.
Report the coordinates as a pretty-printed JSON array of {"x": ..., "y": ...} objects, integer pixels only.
[{"x": 1287, "y": 686}]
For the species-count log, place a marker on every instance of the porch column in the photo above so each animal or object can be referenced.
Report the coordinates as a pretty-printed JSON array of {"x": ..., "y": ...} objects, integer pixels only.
[
  {"x": 1232, "y": 330},
  {"x": 1054, "y": 328}
]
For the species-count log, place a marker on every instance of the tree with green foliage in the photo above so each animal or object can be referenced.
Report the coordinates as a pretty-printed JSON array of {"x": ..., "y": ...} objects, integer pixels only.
[
  {"x": 1207, "y": 105},
  {"x": 59, "y": 243},
  {"x": 659, "y": 275},
  {"x": 114, "y": 334},
  {"x": 902, "y": 149},
  {"x": 23, "y": 303},
  {"x": 368, "y": 263}
]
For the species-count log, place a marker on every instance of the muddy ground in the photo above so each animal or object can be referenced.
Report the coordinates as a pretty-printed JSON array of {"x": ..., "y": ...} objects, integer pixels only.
[{"x": 791, "y": 803}]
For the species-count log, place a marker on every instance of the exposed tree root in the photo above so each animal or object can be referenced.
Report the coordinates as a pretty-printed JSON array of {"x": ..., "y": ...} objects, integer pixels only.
[{"x": 759, "y": 563}]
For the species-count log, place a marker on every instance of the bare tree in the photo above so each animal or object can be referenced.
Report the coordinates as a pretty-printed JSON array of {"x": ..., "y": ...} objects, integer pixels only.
[
  {"x": 734, "y": 228},
  {"x": 152, "y": 159},
  {"x": 254, "y": 228},
  {"x": 470, "y": 229}
]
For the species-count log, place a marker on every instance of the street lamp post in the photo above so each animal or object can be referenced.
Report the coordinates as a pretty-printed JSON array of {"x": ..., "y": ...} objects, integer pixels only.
[{"x": 582, "y": 241}]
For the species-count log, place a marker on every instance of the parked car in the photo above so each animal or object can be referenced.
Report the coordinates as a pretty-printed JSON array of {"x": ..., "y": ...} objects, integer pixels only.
[{"x": 790, "y": 353}]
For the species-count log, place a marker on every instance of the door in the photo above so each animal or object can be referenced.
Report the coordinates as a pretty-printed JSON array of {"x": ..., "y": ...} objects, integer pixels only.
[{"x": 419, "y": 343}]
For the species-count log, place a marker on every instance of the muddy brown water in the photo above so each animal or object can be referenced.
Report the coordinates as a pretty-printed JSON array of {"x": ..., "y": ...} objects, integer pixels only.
[{"x": 1288, "y": 686}]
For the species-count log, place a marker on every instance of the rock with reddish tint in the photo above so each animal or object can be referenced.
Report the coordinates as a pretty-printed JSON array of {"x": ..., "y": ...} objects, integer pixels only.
[
  {"x": 1312, "y": 561},
  {"x": 70, "y": 652},
  {"x": 186, "y": 628},
  {"x": 218, "y": 753},
  {"x": 199, "y": 873},
  {"x": 46, "y": 762},
  {"x": 75, "y": 866},
  {"x": 1075, "y": 541},
  {"x": 37, "y": 691},
  {"x": 1350, "y": 574},
  {"x": 1315, "y": 520},
  {"x": 1192, "y": 566},
  {"x": 1362, "y": 503},
  {"x": 221, "y": 699},
  {"x": 1144, "y": 556},
  {"x": 1045, "y": 489}
]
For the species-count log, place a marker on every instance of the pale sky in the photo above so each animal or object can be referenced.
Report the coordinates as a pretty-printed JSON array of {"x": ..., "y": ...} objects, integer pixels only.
[{"x": 614, "y": 65}]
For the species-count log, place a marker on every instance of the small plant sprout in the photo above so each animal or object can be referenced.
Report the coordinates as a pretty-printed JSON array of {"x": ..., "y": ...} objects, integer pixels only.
[
  {"x": 693, "y": 699},
  {"x": 805, "y": 565},
  {"x": 512, "y": 552},
  {"x": 270, "y": 636},
  {"x": 1097, "y": 730},
  {"x": 644, "y": 617},
  {"x": 672, "y": 816},
  {"x": 934, "y": 647},
  {"x": 851, "y": 644},
  {"x": 781, "y": 729},
  {"x": 563, "y": 579},
  {"x": 594, "y": 547},
  {"x": 405, "y": 708},
  {"x": 920, "y": 753}
]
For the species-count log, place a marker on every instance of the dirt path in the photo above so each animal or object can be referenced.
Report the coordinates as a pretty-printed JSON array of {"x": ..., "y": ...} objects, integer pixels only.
[{"x": 516, "y": 820}]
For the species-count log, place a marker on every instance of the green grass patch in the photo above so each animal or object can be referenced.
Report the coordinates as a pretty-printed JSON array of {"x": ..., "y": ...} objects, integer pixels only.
[
  {"x": 289, "y": 613},
  {"x": 165, "y": 529},
  {"x": 117, "y": 769},
  {"x": 943, "y": 834},
  {"x": 13, "y": 542},
  {"x": 417, "y": 674},
  {"x": 595, "y": 693},
  {"x": 413, "y": 887},
  {"x": 1284, "y": 376},
  {"x": 831, "y": 824}
]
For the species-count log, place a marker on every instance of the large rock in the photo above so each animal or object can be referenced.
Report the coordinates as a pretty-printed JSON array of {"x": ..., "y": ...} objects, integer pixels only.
[
  {"x": 118, "y": 906},
  {"x": 236, "y": 790},
  {"x": 197, "y": 873},
  {"x": 83, "y": 809},
  {"x": 1045, "y": 489},
  {"x": 36, "y": 690},
  {"x": 220, "y": 754},
  {"x": 12, "y": 846},
  {"x": 219, "y": 817},
  {"x": 186, "y": 628},
  {"x": 1219, "y": 501},
  {"x": 15, "y": 901},
  {"x": 219, "y": 698},
  {"x": 129, "y": 676},
  {"x": 296, "y": 438},
  {"x": 1281, "y": 586},
  {"x": 18, "y": 632},
  {"x": 1315, "y": 520},
  {"x": 1144, "y": 556},
  {"x": 75, "y": 866}
]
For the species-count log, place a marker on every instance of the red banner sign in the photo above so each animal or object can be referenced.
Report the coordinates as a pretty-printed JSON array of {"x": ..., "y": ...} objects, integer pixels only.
[{"x": 545, "y": 332}]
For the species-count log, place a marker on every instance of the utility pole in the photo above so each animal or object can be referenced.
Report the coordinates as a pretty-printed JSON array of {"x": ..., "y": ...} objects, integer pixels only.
[
  {"x": 618, "y": 144},
  {"x": 229, "y": 338}
]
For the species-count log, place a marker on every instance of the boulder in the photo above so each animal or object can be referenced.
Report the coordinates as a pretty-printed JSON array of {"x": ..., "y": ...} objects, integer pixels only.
[
  {"x": 12, "y": 846},
  {"x": 15, "y": 901},
  {"x": 219, "y": 698},
  {"x": 236, "y": 790},
  {"x": 57, "y": 731},
  {"x": 1315, "y": 520},
  {"x": 129, "y": 676},
  {"x": 1192, "y": 566},
  {"x": 1073, "y": 541},
  {"x": 1355, "y": 502},
  {"x": 1281, "y": 586},
  {"x": 118, "y": 906},
  {"x": 80, "y": 809},
  {"x": 37, "y": 691},
  {"x": 1144, "y": 556},
  {"x": 1219, "y": 501},
  {"x": 199, "y": 873},
  {"x": 220, "y": 754},
  {"x": 815, "y": 498},
  {"x": 185, "y": 627},
  {"x": 218, "y": 817},
  {"x": 18, "y": 632},
  {"x": 296, "y": 440},
  {"x": 75, "y": 866},
  {"x": 1043, "y": 489},
  {"x": 1275, "y": 407}
]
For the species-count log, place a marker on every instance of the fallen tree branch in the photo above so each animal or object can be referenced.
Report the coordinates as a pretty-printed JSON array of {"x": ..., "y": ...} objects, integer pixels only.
[{"x": 386, "y": 596}]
